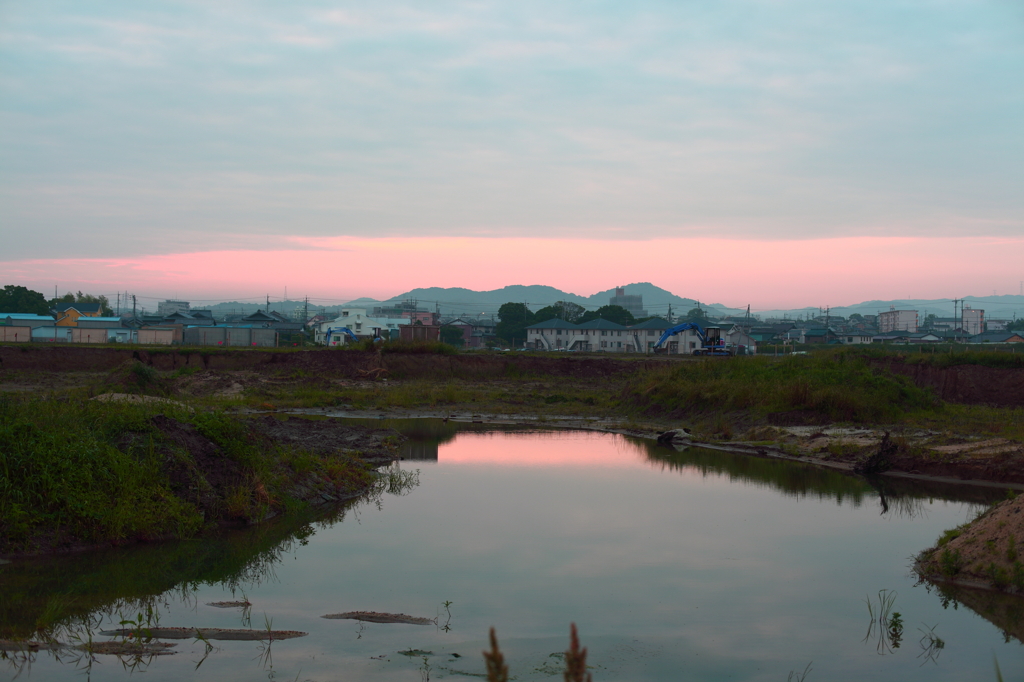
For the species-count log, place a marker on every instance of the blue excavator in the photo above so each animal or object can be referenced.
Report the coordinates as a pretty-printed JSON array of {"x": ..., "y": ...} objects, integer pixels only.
[
  {"x": 710, "y": 339},
  {"x": 331, "y": 331}
]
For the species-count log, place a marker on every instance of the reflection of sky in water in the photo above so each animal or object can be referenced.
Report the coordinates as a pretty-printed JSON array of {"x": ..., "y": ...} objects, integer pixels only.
[{"x": 669, "y": 574}]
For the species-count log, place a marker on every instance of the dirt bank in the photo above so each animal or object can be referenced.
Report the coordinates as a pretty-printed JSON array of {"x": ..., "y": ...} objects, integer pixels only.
[
  {"x": 986, "y": 553},
  {"x": 334, "y": 363},
  {"x": 967, "y": 384}
]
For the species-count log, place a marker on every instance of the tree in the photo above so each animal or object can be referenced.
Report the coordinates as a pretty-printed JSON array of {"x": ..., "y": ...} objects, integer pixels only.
[
  {"x": 85, "y": 298},
  {"x": 18, "y": 299},
  {"x": 563, "y": 310},
  {"x": 1016, "y": 325},
  {"x": 929, "y": 321},
  {"x": 452, "y": 336},
  {"x": 546, "y": 313},
  {"x": 612, "y": 313},
  {"x": 513, "y": 318},
  {"x": 697, "y": 316}
]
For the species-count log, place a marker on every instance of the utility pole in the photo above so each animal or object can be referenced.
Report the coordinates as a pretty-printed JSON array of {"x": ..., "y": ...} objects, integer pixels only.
[
  {"x": 119, "y": 304},
  {"x": 133, "y": 307},
  {"x": 670, "y": 313},
  {"x": 956, "y": 333},
  {"x": 268, "y": 304},
  {"x": 306, "y": 313}
]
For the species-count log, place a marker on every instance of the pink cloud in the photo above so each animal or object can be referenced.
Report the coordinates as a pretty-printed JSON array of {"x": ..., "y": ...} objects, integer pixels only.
[{"x": 765, "y": 274}]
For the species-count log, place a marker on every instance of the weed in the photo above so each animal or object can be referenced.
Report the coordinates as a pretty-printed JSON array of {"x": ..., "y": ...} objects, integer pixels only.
[
  {"x": 497, "y": 670},
  {"x": 794, "y": 676},
  {"x": 889, "y": 623},
  {"x": 1017, "y": 576},
  {"x": 1011, "y": 548},
  {"x": 576, "y": 660},
  {"x": 896, "y": 629},
  {"x": 950, "y": 563},
  {"x": 931, "y": 644},
  {"x": 999, "y": 576}
]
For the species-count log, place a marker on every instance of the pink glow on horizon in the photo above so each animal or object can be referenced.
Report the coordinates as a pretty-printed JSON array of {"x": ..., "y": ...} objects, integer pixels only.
[{"x": 766, "y": 274}]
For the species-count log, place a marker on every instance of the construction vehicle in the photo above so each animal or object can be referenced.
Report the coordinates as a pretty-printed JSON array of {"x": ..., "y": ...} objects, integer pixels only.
[
  {"x": 340, "y": 330},
  {"x": 710, "y": 339}
]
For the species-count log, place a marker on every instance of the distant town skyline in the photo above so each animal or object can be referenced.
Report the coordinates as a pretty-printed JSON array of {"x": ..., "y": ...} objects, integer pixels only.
[{"x": 779, "y": 154}]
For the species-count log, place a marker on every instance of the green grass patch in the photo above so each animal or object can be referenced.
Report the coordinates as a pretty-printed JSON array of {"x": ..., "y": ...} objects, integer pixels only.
[
  {"x": 94, "y": 473},
  {"x": 837, "y": 386}
]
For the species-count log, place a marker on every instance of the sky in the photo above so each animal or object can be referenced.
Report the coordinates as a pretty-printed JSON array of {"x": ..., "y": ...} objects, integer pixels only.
[{"x": 776, "y": 153}]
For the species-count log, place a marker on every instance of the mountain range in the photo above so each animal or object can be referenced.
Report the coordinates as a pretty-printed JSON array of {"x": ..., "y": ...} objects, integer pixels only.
[{"x": 467, "y": 302}]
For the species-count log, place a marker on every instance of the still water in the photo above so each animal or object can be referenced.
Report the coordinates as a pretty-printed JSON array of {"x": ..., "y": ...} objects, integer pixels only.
[{"x": 692, "y": 565}]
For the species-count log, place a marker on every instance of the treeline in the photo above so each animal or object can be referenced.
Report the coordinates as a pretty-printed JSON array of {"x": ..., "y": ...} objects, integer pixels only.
[{"x": 19, "y": 299}]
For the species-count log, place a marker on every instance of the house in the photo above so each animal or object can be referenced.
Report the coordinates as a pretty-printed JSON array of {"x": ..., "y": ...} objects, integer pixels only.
[
  {"x": 550, "y": 335},
  {"x": 26, "y": 320},
  {"x": 907, "y": 337},
  {"x": 67, "y": 314},
  {"x": 363, "y": 326},
  {"x": 601, "y": 335},
  {"x": 100, "y": 322},
  {"x": 420, "y": 332},
  {"x": 646, "y": 334},
  {"x": 475, "y": 333},
  {"x": 856, "y": 338},
  {"x": 998, "y": 337},
  {"x": 819, "y": 336},
  {"x": 740, "y": 340}
]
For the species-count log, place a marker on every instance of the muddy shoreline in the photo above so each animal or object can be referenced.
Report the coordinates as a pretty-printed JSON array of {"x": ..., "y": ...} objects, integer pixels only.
[{"x": 809, "y": 445}]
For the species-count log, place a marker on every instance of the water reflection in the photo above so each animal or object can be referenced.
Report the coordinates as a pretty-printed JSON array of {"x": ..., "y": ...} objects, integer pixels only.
[
  {"x": 71, "y": 596},
  {"x": 1005, "y": 611},
  {"x": 63, "y": 597}
]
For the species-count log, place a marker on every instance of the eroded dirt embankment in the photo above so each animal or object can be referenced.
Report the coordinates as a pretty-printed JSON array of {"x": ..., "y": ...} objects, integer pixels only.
[
  {"x": 337, "y": 363},
  {"x": 968, "y": 384}
]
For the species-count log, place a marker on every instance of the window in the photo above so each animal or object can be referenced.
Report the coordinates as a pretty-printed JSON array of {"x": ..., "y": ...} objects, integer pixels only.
[{"x": 603, "y": 333}]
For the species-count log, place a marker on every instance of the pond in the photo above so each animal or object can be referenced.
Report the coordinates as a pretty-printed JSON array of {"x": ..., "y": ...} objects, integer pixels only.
[{"x": 689, "y": 565}]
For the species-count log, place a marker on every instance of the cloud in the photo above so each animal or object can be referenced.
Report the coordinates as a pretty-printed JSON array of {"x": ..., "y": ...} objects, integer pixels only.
[{"x": 789, "y": 119}]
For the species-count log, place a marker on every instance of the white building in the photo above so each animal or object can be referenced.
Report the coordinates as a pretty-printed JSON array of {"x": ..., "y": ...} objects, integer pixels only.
[
  {"x": 359, "y": 323},
  {"x": 169, "y": 307},
  {"x": 972, "y": 321},
  {"x": 608, "y": 337},
  {"x": 897, "y": 321}
]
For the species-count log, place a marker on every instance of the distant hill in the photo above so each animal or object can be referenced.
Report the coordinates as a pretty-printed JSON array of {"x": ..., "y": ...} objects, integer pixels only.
[
  {"x": 459, "y": 301},
  {"x": 995, "y": 307}
]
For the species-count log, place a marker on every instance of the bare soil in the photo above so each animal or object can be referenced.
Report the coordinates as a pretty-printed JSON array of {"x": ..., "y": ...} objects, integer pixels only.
[{"x": 987, "y": 552}]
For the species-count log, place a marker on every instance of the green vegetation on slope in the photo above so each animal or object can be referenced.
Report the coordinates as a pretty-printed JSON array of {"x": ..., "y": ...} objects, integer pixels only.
[
  {"x": 91, "y": 472},
  {"x": 835, "y": 386}
]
